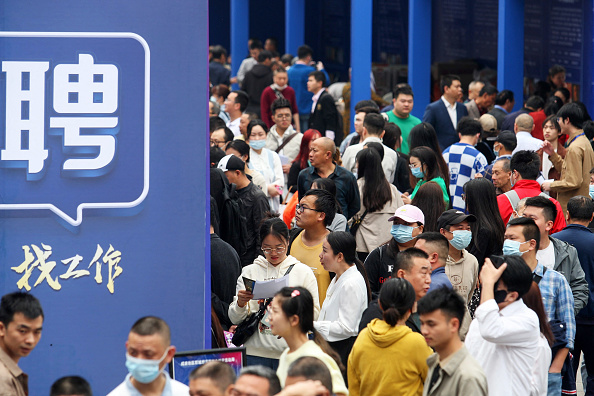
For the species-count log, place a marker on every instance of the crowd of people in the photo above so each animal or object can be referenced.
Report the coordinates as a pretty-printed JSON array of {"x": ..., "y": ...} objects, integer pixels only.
[{"x": 445, "y": 255}]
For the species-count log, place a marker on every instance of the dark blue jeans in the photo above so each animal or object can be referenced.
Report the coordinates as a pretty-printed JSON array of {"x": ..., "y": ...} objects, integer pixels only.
[{"x": 262, "y": 361}]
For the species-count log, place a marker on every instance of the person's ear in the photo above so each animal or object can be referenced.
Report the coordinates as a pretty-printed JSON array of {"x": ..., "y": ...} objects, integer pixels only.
[
  {"x": 170, "y": 353},
  {"x": 532, "y": 245},
  {"x": 434, "y": 257},
  {"x": 512, "y": 296},
  {"x": 455, "y": 325},
  {"x": 294, "y": 320},
  {"x": 400, "y": 273},
  {"x": 340, "y": 257},
  {"x": 382, "y": 134},
  {"x": 549, "y": 226}
]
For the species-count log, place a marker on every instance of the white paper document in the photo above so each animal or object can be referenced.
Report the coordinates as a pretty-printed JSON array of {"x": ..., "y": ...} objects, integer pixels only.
[
  {"x": 284, "y": 159},
  {"x": 267, "y": 289}
]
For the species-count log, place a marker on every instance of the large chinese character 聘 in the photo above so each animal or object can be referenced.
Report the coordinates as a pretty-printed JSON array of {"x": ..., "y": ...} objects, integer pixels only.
[{"x": 39, "y": 260}]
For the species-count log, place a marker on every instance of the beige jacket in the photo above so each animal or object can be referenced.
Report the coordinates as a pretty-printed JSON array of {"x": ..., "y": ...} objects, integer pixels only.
[
  {"x": 463, "y": 274},
  {"x": 375, "y": 228},
  {"x": 12, "y": 379},
  {"x": 460, "y": 375},
  {"x": 575, "y": 169}
]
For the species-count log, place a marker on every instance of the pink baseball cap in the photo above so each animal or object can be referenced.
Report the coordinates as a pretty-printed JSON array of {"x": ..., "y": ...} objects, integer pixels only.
[{"x": 410, "y": 214}]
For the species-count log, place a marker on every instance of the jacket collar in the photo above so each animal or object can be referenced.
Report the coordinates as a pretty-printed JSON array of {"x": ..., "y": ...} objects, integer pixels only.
[{"x": 452, "y": 363}]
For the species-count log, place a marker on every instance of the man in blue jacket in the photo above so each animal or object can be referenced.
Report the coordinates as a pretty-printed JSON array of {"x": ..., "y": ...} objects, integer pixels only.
[{"x": 580, "y": 211}]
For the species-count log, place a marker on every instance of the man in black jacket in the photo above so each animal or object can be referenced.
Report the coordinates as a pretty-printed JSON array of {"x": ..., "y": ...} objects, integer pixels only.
[
  {"x": 324, "y": 115},
  {"x": 256, "y": 80}
]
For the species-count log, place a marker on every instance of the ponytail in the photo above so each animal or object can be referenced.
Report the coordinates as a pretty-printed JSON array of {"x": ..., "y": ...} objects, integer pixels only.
[
  {"x": 396, "y": 298},
  {"x": 363, "y": 272},
  {"x": 328, "y": 350}
]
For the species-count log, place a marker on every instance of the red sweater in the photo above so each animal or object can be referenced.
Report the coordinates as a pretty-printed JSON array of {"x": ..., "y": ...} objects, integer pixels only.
[
  {"x": 529, "y": 188},
  {"x": 268, "y": 96}
]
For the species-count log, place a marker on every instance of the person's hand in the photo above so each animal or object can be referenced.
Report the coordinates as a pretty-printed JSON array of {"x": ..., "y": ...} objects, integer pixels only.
[
  {"x": 478, "y": 176},
  {"x": 272, "y": 191},
  {"x": 405, "y": 198},
  {"x": 232, "y": 329},
  {"x": 489, "y": 274},
  {"x": 233, "y": 80},
  {"x": 547, "y": 147},
  {"x": 286, "y": 168},
  {"x": 305, "y": 388},
  {"x": 546, "y": 186},
  {"x": 320, "y": 66},
  {"x": 243, "y": 297}
]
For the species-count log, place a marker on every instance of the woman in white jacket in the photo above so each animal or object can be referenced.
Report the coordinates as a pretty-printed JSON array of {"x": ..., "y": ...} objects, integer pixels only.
[{"x": 263, "y": 347}]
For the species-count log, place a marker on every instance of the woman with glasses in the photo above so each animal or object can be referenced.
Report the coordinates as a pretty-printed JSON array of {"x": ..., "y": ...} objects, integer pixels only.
[
  {"x": 424, "y": 167},
  {"x": 263, "y": 347}
]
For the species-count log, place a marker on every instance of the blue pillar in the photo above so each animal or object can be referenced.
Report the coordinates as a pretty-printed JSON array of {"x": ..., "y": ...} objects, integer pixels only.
[
  {"x": 294, "y": 25},
  {"x": 240, "y": 12},
  {"x": 419, "y": 53},
  {"x": 361, "y": 23},
  {"x": 510, "y": 49},
  {"x": 588, "y": 58}
]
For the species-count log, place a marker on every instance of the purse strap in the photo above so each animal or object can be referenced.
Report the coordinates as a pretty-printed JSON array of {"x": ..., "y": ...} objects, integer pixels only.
[{"x": 286, "y": 142}]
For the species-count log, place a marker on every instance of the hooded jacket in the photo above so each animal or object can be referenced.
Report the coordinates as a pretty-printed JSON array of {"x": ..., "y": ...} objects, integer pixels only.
[
  {"x": 254, "y": 83},
  {"x": 263, "y": 343},
  {"x": 398, "y": 357},
  {"x": 568, "y": 264}
]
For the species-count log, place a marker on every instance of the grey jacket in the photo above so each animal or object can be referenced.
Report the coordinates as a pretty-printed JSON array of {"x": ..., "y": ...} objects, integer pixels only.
[{"x": 568, "y": 264}]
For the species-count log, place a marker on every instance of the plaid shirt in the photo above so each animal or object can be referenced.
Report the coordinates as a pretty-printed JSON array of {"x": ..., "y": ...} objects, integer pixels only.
[
  {"x": 557, "y": 299},
  {"x": 464, "y": 161}
]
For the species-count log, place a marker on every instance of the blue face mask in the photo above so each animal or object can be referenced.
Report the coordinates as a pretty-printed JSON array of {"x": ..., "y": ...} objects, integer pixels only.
[
  {"x": 461, "y": 239},
  {"x": 512, "y": 248},
  {"x": 257, "y": 144},
  {"x": 592, "y": 191},
  {"x": 402, "y": 233},
  {"x": 417, "y": 172},
  {"x": 144, "y": 371}
]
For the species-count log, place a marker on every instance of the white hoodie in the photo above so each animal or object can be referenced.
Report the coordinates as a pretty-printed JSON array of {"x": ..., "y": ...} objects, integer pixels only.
[{"x": 263, "y": 343}]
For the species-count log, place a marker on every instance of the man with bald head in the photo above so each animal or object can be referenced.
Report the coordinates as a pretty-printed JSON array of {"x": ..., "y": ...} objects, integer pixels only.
[
  {"x": 523, "y": 128},
  {"x": 321, "y": 157}
]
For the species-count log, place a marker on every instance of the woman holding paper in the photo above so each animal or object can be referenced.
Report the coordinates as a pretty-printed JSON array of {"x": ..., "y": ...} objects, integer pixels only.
[
  {"x": 347, "y": 296},
  {"x": 263, "y": 347}
]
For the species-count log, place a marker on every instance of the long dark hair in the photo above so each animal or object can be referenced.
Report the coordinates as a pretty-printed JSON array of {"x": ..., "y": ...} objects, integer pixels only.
[
  {"x": 376, "y": 189},
  {"x": 397, "y": 297},
  {"x": 424, "y": 135},
  {"x": 345, "y": 243},
  {"x": 481, "y": 201},
  {"x": 429, "y": 158},
  {"x": 533, "y": 300},
  {"x": 299, "y": 301},
  {"x": 303, "y": 155},
  {"x": 429, "y": 198},
  {"x": 241, "y": 147}
]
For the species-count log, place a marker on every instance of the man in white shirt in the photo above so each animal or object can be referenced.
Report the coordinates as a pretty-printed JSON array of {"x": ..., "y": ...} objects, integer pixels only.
[
  {"x": 504, "y": 335},
  {"x": 523, "y": 127},
  {"x": 235, "y": 105},
  {"x": 148, "y": 350},
  {"x": 282, "y": 134},
  {"x": 373, "y": 131}
]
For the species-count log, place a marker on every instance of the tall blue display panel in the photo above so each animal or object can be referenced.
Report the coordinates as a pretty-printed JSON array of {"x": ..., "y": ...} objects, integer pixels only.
[{"x": 104, "y": 176}]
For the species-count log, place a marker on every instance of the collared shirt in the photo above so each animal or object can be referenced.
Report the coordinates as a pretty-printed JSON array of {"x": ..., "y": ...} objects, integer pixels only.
[
  {"x": 451, "y": 111},
  {"x": 388, "y": 163},
  {"x": 234, "y": 126},
  {"x": 464, "y": 162},
  {"x": 315, "y": 99},
  {"x": 505, "y": 344},
  {"x": 172, "y": 388},
  {"x": 557, "y": 299},
  {"x": 502, "y": 109},
  {"x": 460, "y": 375},
  {"x": 439, "y": 279},
  {"x": 527, "y": 142},
  {"x": 12, "y": 379}
]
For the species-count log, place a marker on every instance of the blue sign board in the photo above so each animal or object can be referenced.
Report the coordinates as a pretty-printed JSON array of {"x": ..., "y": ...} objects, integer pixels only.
[{"x": 104, "y": 177}]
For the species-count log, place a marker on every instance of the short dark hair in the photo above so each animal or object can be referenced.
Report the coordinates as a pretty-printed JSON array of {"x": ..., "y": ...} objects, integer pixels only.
[
  {"x": 311, "y": 368},
  {"x": 580, "y": 208},
  {"x": 71, "y": 385},
  {"x": 218, "y": 51},
  {"x": 488, "y": 89},
  {"x": 325, "y": 203},
  {"x": 468, "y": 126},
  {"x": 267, "y": 373},
  {"x": 366, "y": 103},
  {"x": 287, "y": 58},
  {"x": 517, "y": 275},
  {"x": 440, "y": 241},
  {"x": 150, "y": 325},
  {"x": 397, "y": 296},
  {"x": 242, "y": 98},
  {"x": 527, "y": 163},
  {"x": 553, "y": 119},
  {"x": 264, "y": 55},
  {"x": 367, "y": 110},
  {"x": 319, "y": 77},
  {"x": 304, "y": 51},
  {"x": 402, "y": 90},
  {"x": 574, "y": 112},
  {"x": 220, "y": 373},
  {"x": 556, "y": 69},
  {"x": 374, "y": 123},
  {"x": 504, "y": 96},
  {"x": 256, "y": 44},
  {"x": 549, "y": 209},
  {"x": 280, "y": 103},
  {"x": 216, "y": 154},
  {"x": 535, "y": 102},
  {"x": 447, "y": 300},
  {"x": 215, "y": 122},
  {"x": 19, "y": 302},
  {"x": 564, "y": 91},
  {"x": 228, "y": 133},
  {"x": 529, "y": 228},
  {"x": 405, "y": 259},
  {"x": 447, "y": 80}
]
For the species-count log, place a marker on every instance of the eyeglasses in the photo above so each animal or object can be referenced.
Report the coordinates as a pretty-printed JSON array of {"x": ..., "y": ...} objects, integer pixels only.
[
  {"x": 300, "y": 208},
  {"x": 412, "y": 166},
  {"x": 283, "y": 116},
  {"x": 216, "y": 142},
  {"x": 278, "y": 250}
]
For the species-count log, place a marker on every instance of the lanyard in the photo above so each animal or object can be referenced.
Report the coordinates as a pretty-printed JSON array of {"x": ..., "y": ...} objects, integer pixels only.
[{"x": 567, "y": 144}]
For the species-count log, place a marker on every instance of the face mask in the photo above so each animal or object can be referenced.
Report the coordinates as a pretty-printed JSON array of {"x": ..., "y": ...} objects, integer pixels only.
[
  {"x": 144, "y": 370},
  {"x": 592, "y": 191},
  {"x": 257, "y": 144},
  {"x": 499, "y": 296},
  {"x": 402, "y": 233},
  {"x": 512, "y": 248},
  {"x": 461, "y": 239},
  {"x": 417, "y": 172}
]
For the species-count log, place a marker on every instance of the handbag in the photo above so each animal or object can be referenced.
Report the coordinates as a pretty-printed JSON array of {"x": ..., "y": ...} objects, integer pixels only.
[
  {"x": 356, "y": 223},
  {"x": 248, "y": 327}
]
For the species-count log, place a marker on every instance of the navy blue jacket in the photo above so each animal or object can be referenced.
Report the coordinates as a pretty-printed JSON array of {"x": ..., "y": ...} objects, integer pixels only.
[
  {"x": 583, "y": 240},
  {"x": 437, "y": 115}
]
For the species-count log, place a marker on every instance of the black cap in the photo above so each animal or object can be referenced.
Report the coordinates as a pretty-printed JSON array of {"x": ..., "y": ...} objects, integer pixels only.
[
  {"x": 508, "y": 139},
  {"x": 454, "y": 216}
]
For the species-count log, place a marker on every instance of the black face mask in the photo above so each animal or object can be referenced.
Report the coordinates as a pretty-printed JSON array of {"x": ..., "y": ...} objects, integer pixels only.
[{"x": 500, "y": 295}]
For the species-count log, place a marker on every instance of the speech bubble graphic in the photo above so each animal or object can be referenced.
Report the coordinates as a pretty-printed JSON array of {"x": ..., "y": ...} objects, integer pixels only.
[{"x": 74, "y": 123}]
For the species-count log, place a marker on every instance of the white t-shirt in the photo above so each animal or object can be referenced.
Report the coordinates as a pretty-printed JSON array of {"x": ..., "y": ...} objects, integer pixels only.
[
  {"x": 172, "y": 388},
  {"x": 547, "y": 256}
]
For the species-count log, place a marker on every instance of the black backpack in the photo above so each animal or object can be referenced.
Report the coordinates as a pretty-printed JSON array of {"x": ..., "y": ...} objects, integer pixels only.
[{"x": 233, "y": 223}]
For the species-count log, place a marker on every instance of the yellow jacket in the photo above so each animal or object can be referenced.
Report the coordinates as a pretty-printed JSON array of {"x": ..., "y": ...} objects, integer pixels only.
[{"x": 388, "y": 360}]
